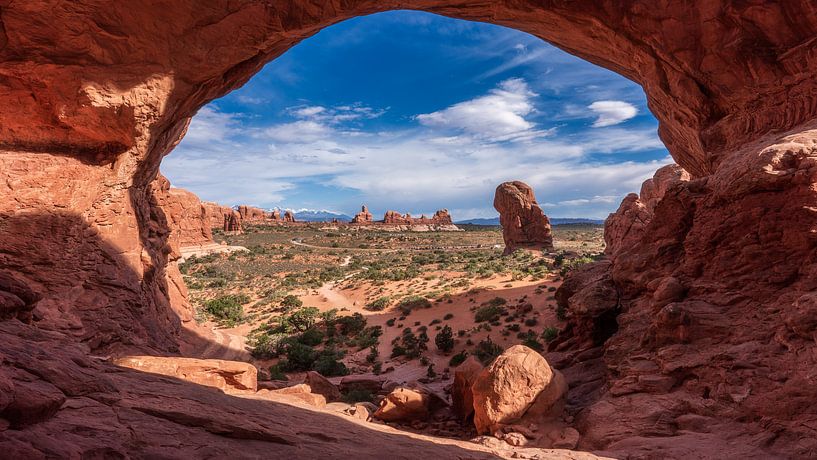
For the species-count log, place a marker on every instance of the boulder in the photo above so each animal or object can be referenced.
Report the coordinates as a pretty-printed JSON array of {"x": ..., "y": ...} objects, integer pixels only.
[
  {"x": 318, "y": 384},
  {"x": 404, "y": 404},
  {"x": 504, "y": 391},
  {"x": 228, "y": 376},
  {"x": 523, "y": 222},
  {"x": 370, "y": 383},
  {"x": 301, "y": 392},
  {"x": 462, "y": 399}
]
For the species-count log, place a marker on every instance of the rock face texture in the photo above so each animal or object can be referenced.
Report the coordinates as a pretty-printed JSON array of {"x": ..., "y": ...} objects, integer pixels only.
[
  {"x": 523, "y": 222},
  {"x": 709, "y": 344},
  {"x": 363, "y": 217},
  {"x": 223, "y": 217},
  {"x": 252, "y": 214},
  {"x": 462, "y": 398},
  {"x": 187, "y": 217},
  {"x": 227, "y": 376},
  {"x": 289, "y": 216},
  {"x": 504, "y": 391}
]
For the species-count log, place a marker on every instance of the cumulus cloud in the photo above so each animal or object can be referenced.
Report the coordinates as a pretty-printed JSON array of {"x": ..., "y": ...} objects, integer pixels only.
[
  {"x": 612, "y": 112},
  {"x": 453, "y": 158},
  {"x": 497, "y": 116}
]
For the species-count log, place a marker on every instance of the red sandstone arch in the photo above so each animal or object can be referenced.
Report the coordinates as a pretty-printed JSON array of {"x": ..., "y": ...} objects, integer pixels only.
[{"x": 94, "y": 93}]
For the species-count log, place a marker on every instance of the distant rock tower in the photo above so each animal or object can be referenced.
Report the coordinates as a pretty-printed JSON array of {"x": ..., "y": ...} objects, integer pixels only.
[
  {"x": 523, "y": 222},
  {"x": 363, "y": 217}
]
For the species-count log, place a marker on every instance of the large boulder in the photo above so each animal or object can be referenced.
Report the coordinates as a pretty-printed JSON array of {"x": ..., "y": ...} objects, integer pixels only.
[
  {"x": 505, "y": 390},
  {"x": 462, "y": 398},
  {"x": 404, "y": 404},
  {"x": 228, "y": 376},
  {"x": 319, "y": 384},
  {"x": 523, "y": 222}
]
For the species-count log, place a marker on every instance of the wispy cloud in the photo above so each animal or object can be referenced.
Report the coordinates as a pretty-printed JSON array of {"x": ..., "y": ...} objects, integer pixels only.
[{"x": 612, "y": 112}]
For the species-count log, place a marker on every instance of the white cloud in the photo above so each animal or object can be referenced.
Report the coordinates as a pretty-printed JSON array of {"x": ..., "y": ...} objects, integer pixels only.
[
  {"x": 497, "y": 116},
  {"x": 612, "y": 112},
  {"x": 417, "y": 169}
]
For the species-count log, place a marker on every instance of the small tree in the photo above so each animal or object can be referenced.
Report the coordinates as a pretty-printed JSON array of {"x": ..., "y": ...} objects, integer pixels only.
[
  {"x": 290, "y": 301},
  {"x": 445, "y": 339}
]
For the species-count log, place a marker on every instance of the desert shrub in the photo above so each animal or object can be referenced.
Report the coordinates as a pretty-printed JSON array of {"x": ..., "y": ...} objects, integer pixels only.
[
  {"x": 226, "y": 309},
  {"x": 352, "y": 324},
  {"x": 448, "y": 316},
  {"x": 290, "y": 301},
  {"x": 530, "y": 322},
  {"x": 561, "y": 313},
  {"x": 378, "y": 305},
  {"x": 328, "y": 363},
  {"x": 458, "y": 359},
  {"x": 445, "y": 339},
  {"x": 299, "y": 357},
  {"x": 312, "y": 336},
  {"x": 368, "y": 337},
  {"x": 275, "y": 373},
  {"x": 549, "y": 334},
  {"x": 267, "y": 345},
  {"x": 410, "y": 303},
  {"x": 486, "y": 351},
  {"x": 488, "y": 313},
  {"x": 390, "y": 322},
  {"x": 300, "y": 320},
  {"x": 531, "y": 341},
  {"x": 373, "y": 354},
  {"x": 430, "y": 371}
]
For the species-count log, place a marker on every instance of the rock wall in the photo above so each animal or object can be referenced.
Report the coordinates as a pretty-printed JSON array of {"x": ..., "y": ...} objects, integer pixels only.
[
  {"x": 95, "y": 93},
  {"x": 251, "y": 214},
  {"x": 188, "y": 219},
  {"x": 440, "y": 217},
  {"x": 223, "y": 217},
  {"x": 524, "y": 224},
  {"x": 705, "y": 309}
]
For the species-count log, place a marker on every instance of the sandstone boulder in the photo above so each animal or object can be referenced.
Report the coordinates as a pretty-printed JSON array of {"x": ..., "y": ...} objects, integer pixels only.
[
  {"x": 523, "y": 222},
  {"x": 462, "y": 398},
  {"x": 505, "y": 390},
  {"x": 404, "y": 404},
  {"x": 318, "y": 384},
  {"x": 301, "y": 392},
  {"x": 228, "y": 376}
]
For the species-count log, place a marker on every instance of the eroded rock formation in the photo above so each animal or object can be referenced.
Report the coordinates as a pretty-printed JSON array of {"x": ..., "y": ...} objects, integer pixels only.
[
  {"x": 708, "y": 348},
  {"x": 441, "y": 217},
  {"x": 524, "y": 225},
  {"x": 223, "y": 217},
  {"x": 288, "y": 216},
  {"x": 188, "y": 219},
  {"x": 363, "y": 217},
  {"x": 253, "y": 215}
]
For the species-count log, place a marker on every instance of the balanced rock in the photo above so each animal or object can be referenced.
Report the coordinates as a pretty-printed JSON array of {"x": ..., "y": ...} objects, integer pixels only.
[
  {"x": 504, "y": 391},
  {"x": 524, "y": 224}
]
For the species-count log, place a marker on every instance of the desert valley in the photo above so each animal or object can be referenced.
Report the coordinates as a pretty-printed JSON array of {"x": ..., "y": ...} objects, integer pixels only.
[{"x": 162, "y": 296}]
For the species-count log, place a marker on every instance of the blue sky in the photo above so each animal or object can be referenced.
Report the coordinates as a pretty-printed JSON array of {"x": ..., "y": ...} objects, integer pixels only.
[{"x": 414, "y": 112}]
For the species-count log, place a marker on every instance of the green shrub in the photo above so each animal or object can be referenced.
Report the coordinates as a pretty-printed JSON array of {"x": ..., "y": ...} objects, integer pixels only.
[
  {"x": 530, "y": 340},
  {"x": 445, "y": 339},
  {"x": 226, "y": 309},
  {"x": 328, "y": 363},
  {"x": 312, "y": 336},
  {"x": 290, "y": 301},
  {"x": 368, "y": 337},
  {"x": 410, "y": 303},
  {"x": 486, "y": 351},
  {"x": 549, "y": 334},
  {"x": 378, "y": 305},
  {"x": 299, "y": 357},
  {"x": 351, "y": 325},
  {"x": 458, "y": 359},
  {"x": 488, "y": 313},
  {"x": 275, "y": 373}
]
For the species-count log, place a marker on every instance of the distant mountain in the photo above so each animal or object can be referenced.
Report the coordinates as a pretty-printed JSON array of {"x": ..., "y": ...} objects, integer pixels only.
[
  {"x": 553, "y": 221},
  {"x": 312, "y": 215}
]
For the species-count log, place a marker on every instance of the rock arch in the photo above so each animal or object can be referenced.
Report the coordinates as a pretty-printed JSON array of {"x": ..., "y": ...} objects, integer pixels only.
[{"x": 95, "y": 93}]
